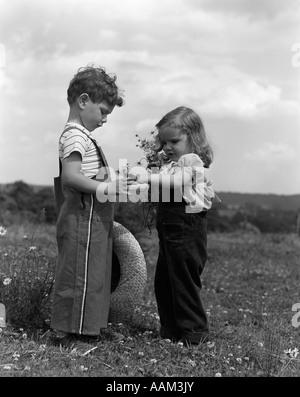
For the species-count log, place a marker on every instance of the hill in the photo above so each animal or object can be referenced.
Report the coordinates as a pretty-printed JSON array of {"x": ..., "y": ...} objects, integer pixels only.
[
  {"x": 266, "y": 212},
  {"x": 233, "y": 200}
]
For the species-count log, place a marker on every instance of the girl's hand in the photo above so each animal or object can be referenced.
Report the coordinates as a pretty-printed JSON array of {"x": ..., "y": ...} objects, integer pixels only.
[
  {"x": 131, "y": 179},
  {"x": 140, "y": 178}
]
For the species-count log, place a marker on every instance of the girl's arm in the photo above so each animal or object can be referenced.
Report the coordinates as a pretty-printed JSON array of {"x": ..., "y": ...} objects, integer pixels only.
[{"x": 175, "y": 181}]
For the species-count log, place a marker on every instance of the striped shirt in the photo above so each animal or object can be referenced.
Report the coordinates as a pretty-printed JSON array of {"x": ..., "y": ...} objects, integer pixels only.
[{"x": 75, "y": 140}]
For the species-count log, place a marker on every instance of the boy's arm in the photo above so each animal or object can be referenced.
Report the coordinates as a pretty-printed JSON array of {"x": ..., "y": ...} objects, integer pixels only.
[{"x": 73, "y": 177}]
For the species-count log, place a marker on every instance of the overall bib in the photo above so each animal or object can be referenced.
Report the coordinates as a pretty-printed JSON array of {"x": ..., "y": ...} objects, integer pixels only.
[{"x": 181, "y": 261}]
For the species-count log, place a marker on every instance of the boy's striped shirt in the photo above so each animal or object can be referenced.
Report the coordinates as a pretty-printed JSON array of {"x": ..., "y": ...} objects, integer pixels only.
[{"x": 74, "y": 140}]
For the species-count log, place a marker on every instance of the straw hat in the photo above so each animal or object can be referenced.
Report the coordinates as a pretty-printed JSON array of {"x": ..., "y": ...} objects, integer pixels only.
[{"x": 133, "y": 275}]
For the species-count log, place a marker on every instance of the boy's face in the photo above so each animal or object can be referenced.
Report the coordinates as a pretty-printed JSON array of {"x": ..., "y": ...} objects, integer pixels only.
[{"x": 94, "y": 115}]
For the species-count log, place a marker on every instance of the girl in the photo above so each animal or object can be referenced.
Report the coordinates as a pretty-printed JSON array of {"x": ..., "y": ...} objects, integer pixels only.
[{"x": 181, "y": 225}]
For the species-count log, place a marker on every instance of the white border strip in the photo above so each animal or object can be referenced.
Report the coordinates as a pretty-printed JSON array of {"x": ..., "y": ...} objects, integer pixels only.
[{"x": 86, "y": 264}]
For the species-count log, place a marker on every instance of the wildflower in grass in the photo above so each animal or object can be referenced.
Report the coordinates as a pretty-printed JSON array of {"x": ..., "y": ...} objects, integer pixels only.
[
  {"x": 83, "y": 368},
  {"x": 32, "y": 248},
  {"x": 239, "y": 360},
  {"x": 3, "y": 231},
  {"x": 210, "y": 345},
  {"x": 141, "y": 354},
  {"x": 232, "y": 369},
  {"x": 153, "y": 361},
  {"x": 7, "y": 281},
  {"x": 292, "y": 353},
  {"x": 180, "y": 344},
  {"x": 191, "y": 362},
  {"x": 218, "y": 375},
  {"x": 260, "y": 344},
  {"x": 16, "y": 356}
]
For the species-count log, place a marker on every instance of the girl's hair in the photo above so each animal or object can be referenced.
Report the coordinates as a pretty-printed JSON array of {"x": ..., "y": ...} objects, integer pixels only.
[
  {"x": 190, "y": 123},
  {"x": 95, "y": 82}
]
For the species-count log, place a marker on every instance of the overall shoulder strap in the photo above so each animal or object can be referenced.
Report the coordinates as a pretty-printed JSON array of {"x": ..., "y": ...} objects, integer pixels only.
[{"x": 102, "y": 158}]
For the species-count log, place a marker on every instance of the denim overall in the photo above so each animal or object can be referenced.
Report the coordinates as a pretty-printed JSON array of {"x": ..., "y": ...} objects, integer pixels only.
[
  {"x": 181, "y": 260},
  {"x": 84, "y": 230}
]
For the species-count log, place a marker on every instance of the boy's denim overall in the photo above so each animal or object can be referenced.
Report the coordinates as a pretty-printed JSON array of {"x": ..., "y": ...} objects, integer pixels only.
[
  {"x": 84, "y": 233},
  {"x": 181, "y": 260}
]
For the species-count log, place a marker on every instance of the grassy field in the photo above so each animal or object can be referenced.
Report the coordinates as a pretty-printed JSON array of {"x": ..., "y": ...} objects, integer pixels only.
[{"x": 250, "y": 284}]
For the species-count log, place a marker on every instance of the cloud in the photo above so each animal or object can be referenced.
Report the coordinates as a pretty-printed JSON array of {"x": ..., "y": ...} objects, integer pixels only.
[
  {"x": 220, "y": 91},
  {"x": 272, "y": 153},
  {"x": 146, "y": 125},
  {"x": 266, "y": 9},
  {"x": 243, "y": 97},
  {"x": 230, "y": 60}
]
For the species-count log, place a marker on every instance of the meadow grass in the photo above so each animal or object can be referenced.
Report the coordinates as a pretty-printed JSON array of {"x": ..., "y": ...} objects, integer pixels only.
[{"x": 250, "y": 283}]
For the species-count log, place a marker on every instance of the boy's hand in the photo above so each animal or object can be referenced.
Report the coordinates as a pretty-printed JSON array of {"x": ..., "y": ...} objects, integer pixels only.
[
  {"x": 140, "y": 178},
  {"x": 117, "y": 187},
  {"x": 109, "y": 190},
  {"x": 121, "y": 187},
  {"x": 131, "y": 179}
]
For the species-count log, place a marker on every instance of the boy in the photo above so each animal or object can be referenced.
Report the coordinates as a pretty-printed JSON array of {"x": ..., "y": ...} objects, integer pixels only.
[{"x": 84, "y": 225}]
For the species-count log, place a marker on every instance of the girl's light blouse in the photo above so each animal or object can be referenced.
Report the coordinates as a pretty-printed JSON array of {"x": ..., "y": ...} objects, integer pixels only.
[{"x": 198, "y": 194}]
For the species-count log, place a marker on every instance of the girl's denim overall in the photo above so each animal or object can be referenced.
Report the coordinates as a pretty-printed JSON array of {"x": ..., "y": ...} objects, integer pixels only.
[{"x": 181, "y": 260}]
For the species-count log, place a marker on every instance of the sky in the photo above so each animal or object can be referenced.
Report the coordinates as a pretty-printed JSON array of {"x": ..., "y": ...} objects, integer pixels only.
[{"x": 235, "y": 62}]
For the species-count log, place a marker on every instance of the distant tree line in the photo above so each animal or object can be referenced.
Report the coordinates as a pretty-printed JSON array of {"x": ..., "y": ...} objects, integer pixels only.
[{"x": 21, "y": 202}]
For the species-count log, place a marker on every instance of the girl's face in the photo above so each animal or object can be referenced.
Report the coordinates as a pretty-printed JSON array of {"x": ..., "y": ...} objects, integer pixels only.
[{"x": 175, "y": 143}]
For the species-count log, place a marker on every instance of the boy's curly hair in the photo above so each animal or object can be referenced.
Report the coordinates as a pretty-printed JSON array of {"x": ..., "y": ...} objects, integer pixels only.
[{"x": 99, "y": 85}]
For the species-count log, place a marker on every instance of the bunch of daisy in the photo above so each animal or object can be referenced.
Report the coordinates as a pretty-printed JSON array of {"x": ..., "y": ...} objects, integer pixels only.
[
  {"x": 153, "y": 153},
  {"x": 154, "y": 157}
]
